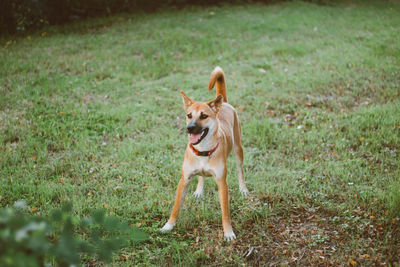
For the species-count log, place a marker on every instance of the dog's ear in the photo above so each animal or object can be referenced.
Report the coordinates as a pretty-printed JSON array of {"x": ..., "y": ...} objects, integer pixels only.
[
  {"x": 187, "y": 102},
  {"x": 216, "y": 104}
]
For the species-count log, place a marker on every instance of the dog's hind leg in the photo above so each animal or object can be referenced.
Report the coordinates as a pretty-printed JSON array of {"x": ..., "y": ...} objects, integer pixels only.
[
  {"x": 239, "y": 165},
  {"x": 239, "y": 157},
  {"x": 200, "y": 187}
]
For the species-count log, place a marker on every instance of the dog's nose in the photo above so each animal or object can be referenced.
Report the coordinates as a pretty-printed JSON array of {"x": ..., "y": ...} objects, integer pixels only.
[{"x": 191, "y": 127}]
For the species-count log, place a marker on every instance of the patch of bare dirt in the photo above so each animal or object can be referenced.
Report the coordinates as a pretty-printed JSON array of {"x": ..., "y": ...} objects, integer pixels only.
[
  {"x": 313, "y": 236},
  {"x": 307, "y": 236}
]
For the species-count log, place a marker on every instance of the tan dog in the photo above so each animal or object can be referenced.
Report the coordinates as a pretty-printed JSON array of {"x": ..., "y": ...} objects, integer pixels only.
[{"x": 214, "y": 129}]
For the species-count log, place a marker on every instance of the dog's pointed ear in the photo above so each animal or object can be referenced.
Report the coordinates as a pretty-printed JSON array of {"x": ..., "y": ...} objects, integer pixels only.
[
  {"x": 187, "y": 102},
  {"x": 216, "y": 104}
]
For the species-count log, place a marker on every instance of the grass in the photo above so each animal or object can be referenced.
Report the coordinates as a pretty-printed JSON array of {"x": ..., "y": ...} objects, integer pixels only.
[{"x": 91, "y": 113}]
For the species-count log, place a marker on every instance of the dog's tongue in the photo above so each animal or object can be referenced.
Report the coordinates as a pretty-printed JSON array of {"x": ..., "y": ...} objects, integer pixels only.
[{"x": 194, "y": 138}]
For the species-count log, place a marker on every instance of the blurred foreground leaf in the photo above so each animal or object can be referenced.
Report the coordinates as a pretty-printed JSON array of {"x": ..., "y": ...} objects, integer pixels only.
[{"x": 27, "y": 240}]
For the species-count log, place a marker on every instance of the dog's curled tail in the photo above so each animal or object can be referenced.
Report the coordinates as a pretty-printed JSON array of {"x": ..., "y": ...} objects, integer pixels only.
[{"x": 218, "y": 76}]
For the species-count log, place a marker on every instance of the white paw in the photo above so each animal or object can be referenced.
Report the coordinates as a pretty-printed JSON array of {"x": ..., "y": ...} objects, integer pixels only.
[
  {"x": 198, "y": 194},
  {"x": 229, "y": 236},
  {"x": 167, "y": 227},
  {"x": 244, "y": 191}
]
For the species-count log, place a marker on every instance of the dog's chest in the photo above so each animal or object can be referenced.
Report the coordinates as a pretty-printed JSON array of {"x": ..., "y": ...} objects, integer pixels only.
[{"x": 202, "y": 166}]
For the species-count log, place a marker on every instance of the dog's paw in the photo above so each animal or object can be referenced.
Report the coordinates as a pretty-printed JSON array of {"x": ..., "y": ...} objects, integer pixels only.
[
  {"x": 244, "y": 191},
  {"x": 198, "y": 194},
  {"x": 230, "y": 236},
  {"x": 167, "y": 227}
]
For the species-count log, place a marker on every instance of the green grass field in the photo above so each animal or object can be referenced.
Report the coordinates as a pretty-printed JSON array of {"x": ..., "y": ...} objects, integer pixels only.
[{"x": 91, "y": 113}]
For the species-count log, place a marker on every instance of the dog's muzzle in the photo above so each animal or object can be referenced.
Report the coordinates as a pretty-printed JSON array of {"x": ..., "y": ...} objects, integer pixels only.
[
  {"x": 194, "y": 128},
  {"x": 196, "y": 133}
]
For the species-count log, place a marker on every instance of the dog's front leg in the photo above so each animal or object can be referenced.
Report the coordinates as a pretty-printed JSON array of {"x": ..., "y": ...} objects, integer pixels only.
[
  {"x": 180, "y": 196},
  {"x": 224, "y": 201}
]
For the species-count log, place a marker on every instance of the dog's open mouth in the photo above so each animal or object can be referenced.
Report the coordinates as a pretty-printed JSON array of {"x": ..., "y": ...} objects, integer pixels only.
[{"x": 194, "y": 139}]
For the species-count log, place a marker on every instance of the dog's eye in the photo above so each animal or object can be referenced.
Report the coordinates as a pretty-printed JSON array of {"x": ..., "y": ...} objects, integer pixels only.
[
  {"x": 189, "y": 115},
  {"x": 203, "y": 116}
]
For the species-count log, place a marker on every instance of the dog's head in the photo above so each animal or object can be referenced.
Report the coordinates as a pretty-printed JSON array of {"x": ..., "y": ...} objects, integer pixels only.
[{"x": 201, "y": 117}]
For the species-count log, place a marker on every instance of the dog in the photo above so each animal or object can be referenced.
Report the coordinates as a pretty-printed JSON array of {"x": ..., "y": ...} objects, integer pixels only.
[{"x": 214, "y": 130}]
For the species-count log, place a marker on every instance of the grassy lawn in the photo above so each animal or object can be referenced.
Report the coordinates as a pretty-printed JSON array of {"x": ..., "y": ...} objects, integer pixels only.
[{"x": 91, "y": 113}]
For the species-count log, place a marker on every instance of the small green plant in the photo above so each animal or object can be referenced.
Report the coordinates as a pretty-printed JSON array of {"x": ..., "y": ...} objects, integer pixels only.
[
  {"x": 394, "y": 199},
  {"x": 318, "y": 238},
  {"x": 35, "y": 240}
]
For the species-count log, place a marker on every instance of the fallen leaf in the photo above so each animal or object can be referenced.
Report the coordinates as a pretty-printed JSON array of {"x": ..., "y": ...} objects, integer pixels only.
[
  {"x": 123, "y": 256},
  {"x": 248, "y": 253},
  {"x": 386, "y": 212},
  {"x": 309, "y": 218},
  {"x": 358, "y": 212},
  {"x": 352, "y": 262},
  {"x": 9, "y": 43},
  {"x": 118, "y": 188}
]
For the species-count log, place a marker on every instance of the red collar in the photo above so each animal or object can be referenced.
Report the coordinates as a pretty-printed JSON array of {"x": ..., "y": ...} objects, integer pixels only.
[{"x": 203, "y": 153}]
